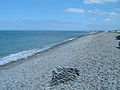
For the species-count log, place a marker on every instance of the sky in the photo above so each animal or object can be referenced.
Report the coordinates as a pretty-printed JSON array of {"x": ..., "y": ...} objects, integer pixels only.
[{"x": 59, "y": 15}]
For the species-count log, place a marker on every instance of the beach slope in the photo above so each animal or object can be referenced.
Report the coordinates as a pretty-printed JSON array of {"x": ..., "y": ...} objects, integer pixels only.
[{"x": 97, "y": 57}]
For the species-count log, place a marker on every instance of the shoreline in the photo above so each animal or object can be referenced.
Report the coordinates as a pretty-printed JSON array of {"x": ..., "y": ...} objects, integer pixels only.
[
  {"x": 24, "y": 49},
  {"x": 44, "y": 50},
  {"x": 95, "y": 56}
]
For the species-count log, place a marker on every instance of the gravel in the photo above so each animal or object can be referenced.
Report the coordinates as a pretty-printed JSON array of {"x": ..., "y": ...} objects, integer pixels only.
[{"x": 97, "y": 57}]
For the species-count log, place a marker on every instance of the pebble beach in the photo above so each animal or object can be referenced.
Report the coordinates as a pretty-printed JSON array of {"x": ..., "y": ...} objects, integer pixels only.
[{"x": 96, "y": 56}]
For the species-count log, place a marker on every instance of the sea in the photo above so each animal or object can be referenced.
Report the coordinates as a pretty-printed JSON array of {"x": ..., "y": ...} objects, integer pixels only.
[{"x": 18, "y": 44}]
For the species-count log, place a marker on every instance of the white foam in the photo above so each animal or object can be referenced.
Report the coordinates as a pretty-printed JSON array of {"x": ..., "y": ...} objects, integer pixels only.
[
  {"x": 20, "y": 55},
  {"x": 25, "y": 54}
]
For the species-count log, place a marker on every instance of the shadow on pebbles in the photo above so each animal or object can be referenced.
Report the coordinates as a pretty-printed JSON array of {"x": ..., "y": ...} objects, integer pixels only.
[{"x": 59, "y": 76}]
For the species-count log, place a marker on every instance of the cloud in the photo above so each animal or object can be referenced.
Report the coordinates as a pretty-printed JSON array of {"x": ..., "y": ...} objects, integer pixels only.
[
  {"x": 114, "y": 14},
  {"x": 95, "y": 11},
  {"x": 99, "y": 1},
  {"x": 54, "y": 25},
  {"x": 117, "y": 9},
  {"x": 75, "y": 10},
  {"x": 100, "y": 12},
  {"x": 107, "y": 19},
  {"x": 92, "y": 19}
]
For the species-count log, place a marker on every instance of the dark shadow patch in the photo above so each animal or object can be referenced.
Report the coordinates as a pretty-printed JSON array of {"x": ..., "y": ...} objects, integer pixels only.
[
  {"x": 117, "y": 39},
  {"x": 118, "y": 47},
  {"x": 63, "y": 75}
]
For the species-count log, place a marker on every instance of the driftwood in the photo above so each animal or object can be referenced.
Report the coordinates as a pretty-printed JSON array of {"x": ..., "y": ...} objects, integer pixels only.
[{"x": 63, "y": 75}]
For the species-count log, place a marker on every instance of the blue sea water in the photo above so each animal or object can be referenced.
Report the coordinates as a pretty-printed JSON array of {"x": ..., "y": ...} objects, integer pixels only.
[{"x": 19, "y": 44}]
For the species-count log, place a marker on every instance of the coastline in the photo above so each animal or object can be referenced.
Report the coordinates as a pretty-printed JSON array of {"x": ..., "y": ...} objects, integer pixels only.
[
  {"x": 90, "y": 54},
  {"x": 6, "y": 61},
  {"x": 27, "y": 45}
]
